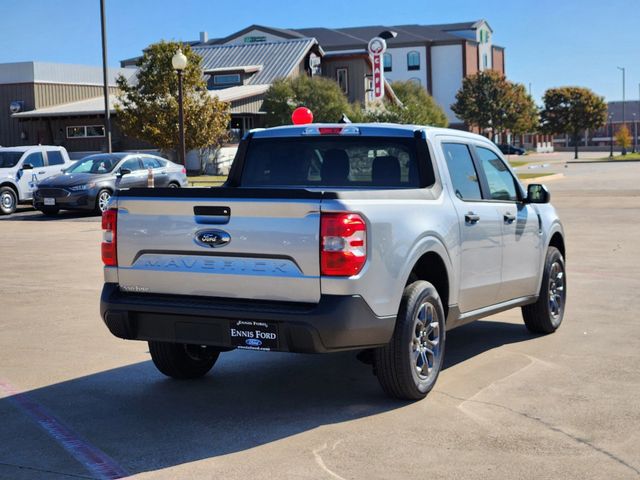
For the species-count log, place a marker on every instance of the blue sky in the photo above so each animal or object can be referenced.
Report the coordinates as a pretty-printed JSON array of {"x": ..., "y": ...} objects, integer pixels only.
[{"x": 548, "y": 43}]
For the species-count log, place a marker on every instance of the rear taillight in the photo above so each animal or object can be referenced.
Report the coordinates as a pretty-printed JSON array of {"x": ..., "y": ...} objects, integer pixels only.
[
  {"x": 343, "y": 244},
  {"x": 109, "y": 237},
  {"x": 184, "y": 170}
]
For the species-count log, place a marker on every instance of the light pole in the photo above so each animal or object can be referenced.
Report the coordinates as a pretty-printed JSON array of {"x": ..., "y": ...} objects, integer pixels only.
[
  {"x": 611, "y": 135},
  {"x": 179, "y": 63},
  {"x": 105, "y": 77},
  {"x": 624, "y": 120},
  {"x": 635, "y": 133}
]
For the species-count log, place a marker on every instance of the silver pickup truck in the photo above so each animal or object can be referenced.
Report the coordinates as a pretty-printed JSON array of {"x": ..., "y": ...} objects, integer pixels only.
[{"x": 369, "y": 237}]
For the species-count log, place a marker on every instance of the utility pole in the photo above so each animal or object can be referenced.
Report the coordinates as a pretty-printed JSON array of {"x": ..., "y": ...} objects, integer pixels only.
[{"x": 105, "y": 78}]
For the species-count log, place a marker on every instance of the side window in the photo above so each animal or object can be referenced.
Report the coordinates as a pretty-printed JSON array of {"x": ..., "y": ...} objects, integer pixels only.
[
  {"x": 35, "y": 159},
  {"x": 502, "y": 185},
  {"x": 54, "y": 157},
  {"x": 148, "y": 162},
  {"x": 463, "y": 173},
  {"x": 132, "y": 164}
]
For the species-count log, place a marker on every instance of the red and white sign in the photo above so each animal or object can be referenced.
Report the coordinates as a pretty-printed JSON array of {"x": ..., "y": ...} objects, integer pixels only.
[{"x": 377, "y": 47}]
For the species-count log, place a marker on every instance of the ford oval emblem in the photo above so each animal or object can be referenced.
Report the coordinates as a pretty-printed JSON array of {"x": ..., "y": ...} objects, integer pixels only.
[
  {"x": 253, "y": 342},
  {"x": 212, "y": 238}
]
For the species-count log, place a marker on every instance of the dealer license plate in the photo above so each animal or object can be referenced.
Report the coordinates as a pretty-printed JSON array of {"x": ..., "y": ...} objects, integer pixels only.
[
  {"x": 253, "y": 335},
  {"x": 49, "y": 201}
]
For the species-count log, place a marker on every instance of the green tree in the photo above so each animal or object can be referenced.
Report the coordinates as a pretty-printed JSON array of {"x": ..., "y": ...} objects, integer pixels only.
[
  {"x": 572, "y": 110},
  {"x": 321, "y": 95},
  {"x": 623, "y": 138},
  {"x": 485, "y": 101},
  {"x": 417, "y": 108},
  {"x": 148, "y": 107},
  {"x": 522, "y": 112}
]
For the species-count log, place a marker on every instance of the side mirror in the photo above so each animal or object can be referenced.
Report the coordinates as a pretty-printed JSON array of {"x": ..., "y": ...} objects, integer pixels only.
[
  {"x": 124, "y": 171},
  {"x": 538, "y": 193},
  {"x": 27, "y": 166}
]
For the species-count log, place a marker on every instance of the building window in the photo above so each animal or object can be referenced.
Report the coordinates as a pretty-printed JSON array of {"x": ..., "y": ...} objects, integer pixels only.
[
  {"x": 415, "y": 80},
  {"x": 485, "y": 60},
  {"x": 226, "y": 79},
  {"x": 342, "y": 76},
  {"x": 413, "y": 61},
  {"x": 88, "y": 131},
  {"x": 387, "y": 62}
]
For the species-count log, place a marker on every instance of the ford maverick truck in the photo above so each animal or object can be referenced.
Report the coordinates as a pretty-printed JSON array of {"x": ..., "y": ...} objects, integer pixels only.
[{"x": 332, "y": 237}]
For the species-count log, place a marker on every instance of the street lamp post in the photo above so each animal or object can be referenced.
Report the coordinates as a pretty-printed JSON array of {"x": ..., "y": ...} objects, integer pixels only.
[
  {"x": 611, "y": 135},
  {"x": 179, "y": 63},
  {"x": 635, "y": 133},
  {"x": 624, "y": 119}
]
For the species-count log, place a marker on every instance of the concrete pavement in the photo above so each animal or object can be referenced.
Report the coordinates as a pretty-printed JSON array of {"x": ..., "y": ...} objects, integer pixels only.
[{"x": 507, "y": 405}]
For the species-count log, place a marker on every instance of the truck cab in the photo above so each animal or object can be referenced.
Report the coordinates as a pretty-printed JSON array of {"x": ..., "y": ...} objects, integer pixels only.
[{"x": 23, "y": 168}]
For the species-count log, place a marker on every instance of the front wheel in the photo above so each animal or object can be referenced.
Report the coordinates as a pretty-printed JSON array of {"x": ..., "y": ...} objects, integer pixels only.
[
  {"x": 183, "y": 361},
  {"x": 545, "y": 316},
  {"x": 102, "y": 200},
  {"x": 408, "y": 366},
  {"x": 8, "y": 200}
]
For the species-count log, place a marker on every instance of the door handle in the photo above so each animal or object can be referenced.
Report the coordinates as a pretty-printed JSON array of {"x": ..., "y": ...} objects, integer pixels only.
[
  {"x": 509, "y": 217},
  {"x": 41, "y": 173},
  {"x": 471, "y": 218}
]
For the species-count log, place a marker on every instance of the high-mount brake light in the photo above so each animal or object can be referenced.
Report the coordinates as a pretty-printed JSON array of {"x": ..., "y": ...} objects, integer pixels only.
[
  {"x": 110, "y": 237},
  {"x": 347, "y": 130},
  {"x": 343, "y": 244}
]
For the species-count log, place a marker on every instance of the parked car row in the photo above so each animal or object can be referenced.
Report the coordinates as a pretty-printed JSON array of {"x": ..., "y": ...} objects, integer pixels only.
[{"x": 47, "y": 178}]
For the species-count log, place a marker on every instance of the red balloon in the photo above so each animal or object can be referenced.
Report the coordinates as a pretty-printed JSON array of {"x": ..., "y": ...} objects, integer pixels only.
[{"x": 301, "y": 116}]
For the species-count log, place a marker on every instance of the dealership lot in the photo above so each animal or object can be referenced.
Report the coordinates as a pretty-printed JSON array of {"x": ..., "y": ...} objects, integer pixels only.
[{"x": 77, "y": 402}]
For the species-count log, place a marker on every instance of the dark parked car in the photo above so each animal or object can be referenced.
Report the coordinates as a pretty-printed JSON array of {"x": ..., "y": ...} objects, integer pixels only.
[
  {"x": 511, "y": 150},
  {"x": 89, "y": 184}
]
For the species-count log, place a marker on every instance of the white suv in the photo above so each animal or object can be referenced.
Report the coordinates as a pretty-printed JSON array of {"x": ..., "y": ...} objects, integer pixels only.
[{"x": 22, "y": 168}]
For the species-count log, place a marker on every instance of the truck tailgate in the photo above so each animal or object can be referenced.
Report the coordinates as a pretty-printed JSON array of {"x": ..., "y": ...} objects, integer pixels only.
[{"x": 166, "y": 244}]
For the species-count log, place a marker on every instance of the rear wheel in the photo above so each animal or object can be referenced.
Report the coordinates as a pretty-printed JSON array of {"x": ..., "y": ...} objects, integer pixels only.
[
  {"x": 545, "y": 316},
  {"x": 174, "y": 185},
  {"x": 408, "y": 366},
  {"x": 182, "y": 361},
  {"x": 8, "y": 200}
]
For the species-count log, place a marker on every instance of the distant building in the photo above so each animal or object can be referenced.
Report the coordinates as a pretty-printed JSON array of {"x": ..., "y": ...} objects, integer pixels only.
[
  {"x": 63, "y": 104},
  {"x": 28, "y": 87},
  {"x": 602, "y": 137}
]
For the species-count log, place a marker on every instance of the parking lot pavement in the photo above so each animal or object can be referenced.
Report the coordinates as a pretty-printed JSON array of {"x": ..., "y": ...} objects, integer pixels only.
[{"x": 77, "y": 402}]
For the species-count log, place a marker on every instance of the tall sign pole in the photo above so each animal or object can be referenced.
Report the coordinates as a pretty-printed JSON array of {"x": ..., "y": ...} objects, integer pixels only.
[
  {"x": 377, "y": 46},
  {"x": 105, "y": 78}
]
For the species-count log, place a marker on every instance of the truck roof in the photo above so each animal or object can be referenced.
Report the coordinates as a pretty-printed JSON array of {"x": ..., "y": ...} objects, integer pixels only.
[
  {"x": 24, "y": 148},
  {"x": 373, "y": 129}
]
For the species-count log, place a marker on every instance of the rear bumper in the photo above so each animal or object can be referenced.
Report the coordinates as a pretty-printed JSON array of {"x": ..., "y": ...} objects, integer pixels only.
[{"x": 337, "y": 322}]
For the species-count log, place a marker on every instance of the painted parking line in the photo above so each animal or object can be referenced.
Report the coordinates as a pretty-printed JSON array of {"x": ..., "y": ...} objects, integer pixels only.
[{"x": 98, "y": 463}]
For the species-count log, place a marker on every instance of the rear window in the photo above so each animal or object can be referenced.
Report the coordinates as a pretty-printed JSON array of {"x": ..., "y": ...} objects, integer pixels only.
[{"x": 332, "y": 162}]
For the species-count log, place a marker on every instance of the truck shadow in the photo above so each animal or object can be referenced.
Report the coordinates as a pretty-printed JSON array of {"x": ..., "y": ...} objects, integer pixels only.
[
  {"x": 29, "y": 214},
  {"x": 146, "y": 422}
]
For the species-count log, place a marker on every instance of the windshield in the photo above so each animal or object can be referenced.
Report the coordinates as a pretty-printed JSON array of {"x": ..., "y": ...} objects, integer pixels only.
[
  {"x": 9, "y": 159},
  {"x": 378, "y": 162},
  {"x": 95, "y": 164}
]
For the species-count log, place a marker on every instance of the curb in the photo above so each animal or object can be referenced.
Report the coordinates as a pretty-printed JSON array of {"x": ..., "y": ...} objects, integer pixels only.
[{"x": 603, "y": 161}]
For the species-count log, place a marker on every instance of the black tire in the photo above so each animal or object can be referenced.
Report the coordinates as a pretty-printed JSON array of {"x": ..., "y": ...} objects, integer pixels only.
[
  {"x": 49, "y": 211},
  {"x": 102, "y": 193},
  {"x": 8, "y": 200},
  {"x": 174, "y": 185},
  {"x": 182, "y": 361},
  {"x": 545, "y": 316},
  {"x": 396, "y": 364}
]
